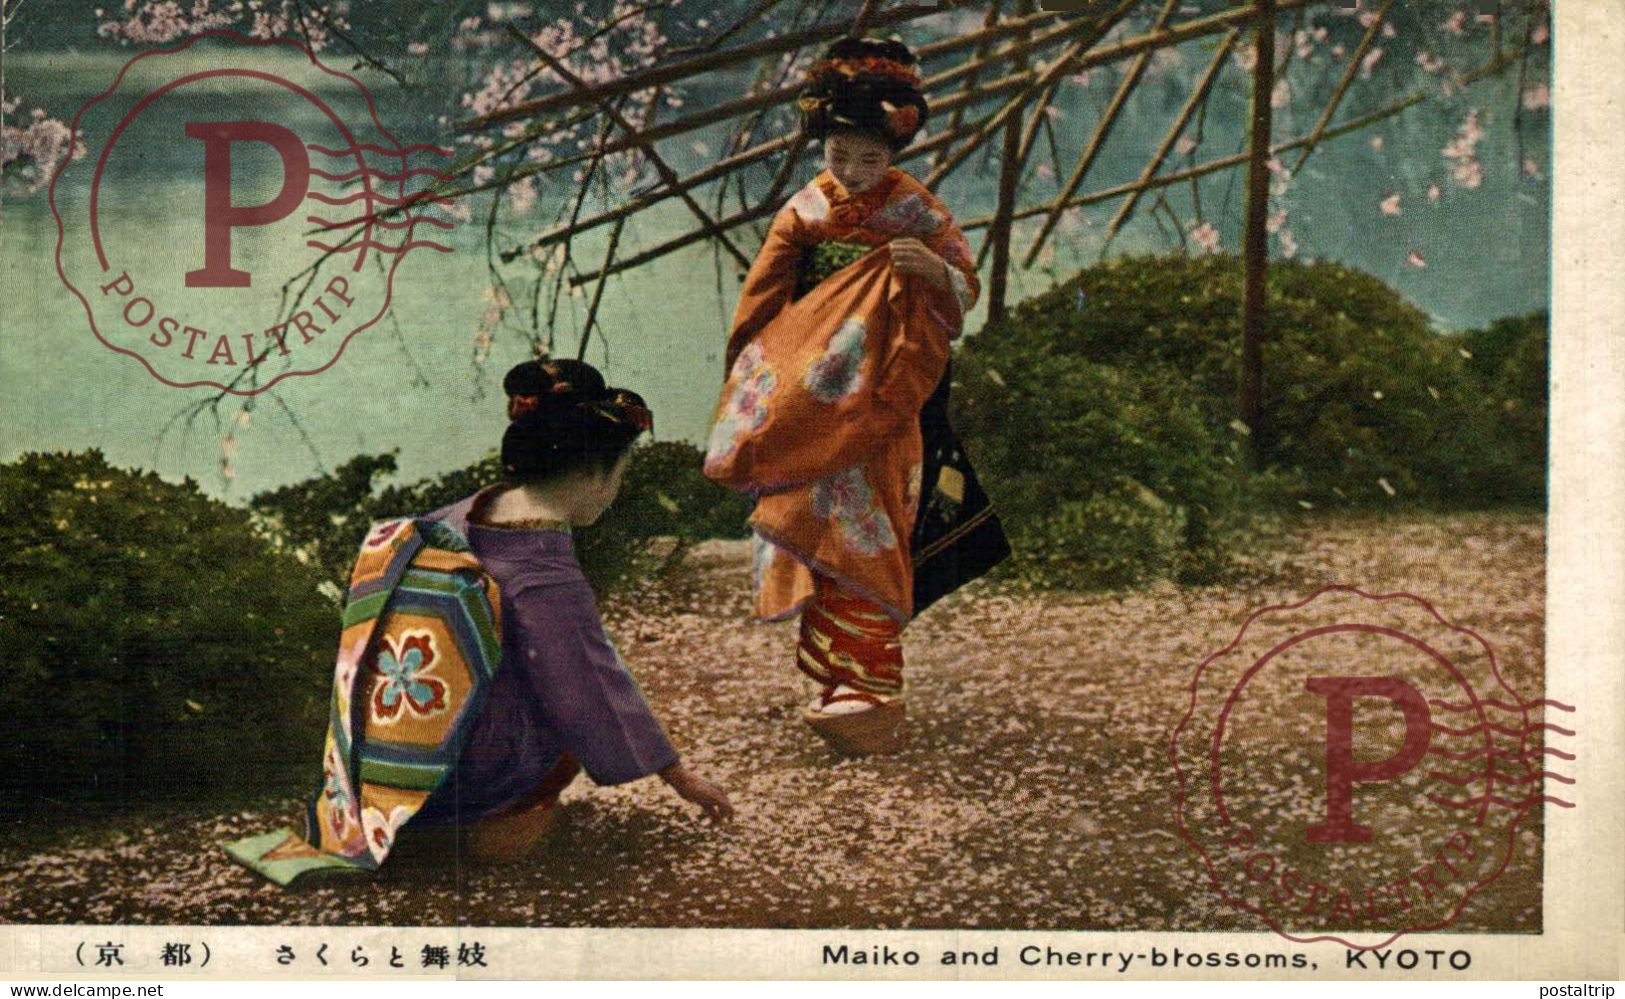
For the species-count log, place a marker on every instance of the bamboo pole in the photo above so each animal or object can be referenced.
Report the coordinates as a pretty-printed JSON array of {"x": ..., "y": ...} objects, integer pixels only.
[
  {"x": 1103, "y": 131},
  {"x": 1051, "y": 73},
  {"x": 1255, "y": 237},
  {"x": 1009, "y": 173},
  {"x": 983, "y": 50},
  {"x": 1198, "y": 95},
  {"x": 1343, "y": 85}
]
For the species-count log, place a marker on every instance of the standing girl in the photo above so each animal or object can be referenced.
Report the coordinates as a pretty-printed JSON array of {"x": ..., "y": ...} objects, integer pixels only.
[{"x": 841, "y": 335}]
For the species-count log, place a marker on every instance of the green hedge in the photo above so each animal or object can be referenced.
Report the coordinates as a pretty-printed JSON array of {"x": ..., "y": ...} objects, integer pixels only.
[
  {"x": 1104, "y": 412},
  {"x": 159, "y": 647}
]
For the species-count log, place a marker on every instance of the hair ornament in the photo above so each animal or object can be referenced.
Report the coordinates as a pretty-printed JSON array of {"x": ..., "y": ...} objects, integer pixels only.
[
  {"x": 869, "y": 66},
  {"x": 519, "y": 405}
]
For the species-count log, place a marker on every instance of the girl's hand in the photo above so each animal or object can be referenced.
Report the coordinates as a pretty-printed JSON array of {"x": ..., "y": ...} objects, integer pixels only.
[
  {"x": 691, "y": 787},
  {"x": 910, "y": 256}
]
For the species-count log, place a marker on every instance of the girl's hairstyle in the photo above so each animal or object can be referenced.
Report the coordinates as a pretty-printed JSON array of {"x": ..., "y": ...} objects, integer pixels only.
[
  {"x": 866, "y": 86},
  {"x": 563, "y": 418}
]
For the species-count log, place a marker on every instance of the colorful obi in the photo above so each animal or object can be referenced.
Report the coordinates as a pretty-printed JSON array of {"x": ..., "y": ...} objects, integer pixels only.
[{"x": 421, "y": 642}]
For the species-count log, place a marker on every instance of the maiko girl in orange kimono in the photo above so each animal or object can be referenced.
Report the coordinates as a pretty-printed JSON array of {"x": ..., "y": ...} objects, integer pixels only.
[{"x": 833, "y": 414}]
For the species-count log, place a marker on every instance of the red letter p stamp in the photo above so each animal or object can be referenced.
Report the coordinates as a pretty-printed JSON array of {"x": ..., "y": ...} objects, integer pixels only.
[
  {"x": 1354, "y": 767},
  {"x": 303, "y": 204}
]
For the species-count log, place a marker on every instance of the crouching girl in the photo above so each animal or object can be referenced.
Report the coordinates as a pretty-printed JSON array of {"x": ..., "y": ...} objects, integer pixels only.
[{"x": 474, "y": 679}]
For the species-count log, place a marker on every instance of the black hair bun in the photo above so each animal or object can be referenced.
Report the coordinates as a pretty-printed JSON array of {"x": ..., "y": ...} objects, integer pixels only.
[
  {"x": 865, "y": 85},
  {"x": 562, "y": 416}
]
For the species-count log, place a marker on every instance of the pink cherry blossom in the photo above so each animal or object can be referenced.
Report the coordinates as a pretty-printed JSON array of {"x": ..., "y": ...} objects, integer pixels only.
[
  {"x": 1205, "y": 236},
  {"x": 29, "y": 155},
  {"x": 1390, "y": 205},
  {"x": 1415, "y": 259}
]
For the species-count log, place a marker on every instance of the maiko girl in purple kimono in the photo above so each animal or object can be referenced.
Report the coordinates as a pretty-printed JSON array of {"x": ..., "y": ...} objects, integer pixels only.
[
  {"x": 563, "y": 701},
  {"x": 474, "y": 680}
]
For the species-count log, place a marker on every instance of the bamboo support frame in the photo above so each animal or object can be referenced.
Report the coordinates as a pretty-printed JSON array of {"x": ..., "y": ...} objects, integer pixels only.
[
  {"x": 1116, "y": 52},
  {"x": 963, "y": 99},
  {"x": 1355, "y": 59},
  {"x": 1198, "y": 95},
  {"x": 1016, "y": 104},
  {"x": 1097, "y": 141}
]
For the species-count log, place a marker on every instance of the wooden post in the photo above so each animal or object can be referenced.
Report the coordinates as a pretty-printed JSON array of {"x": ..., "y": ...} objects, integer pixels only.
[
  {"x": 1255, "y": 247},
  {"x": 998, "y": 283}
]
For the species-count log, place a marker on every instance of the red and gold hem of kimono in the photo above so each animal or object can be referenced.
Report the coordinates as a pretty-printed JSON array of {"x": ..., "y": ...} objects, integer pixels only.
[{"x": 787, "y": 581}]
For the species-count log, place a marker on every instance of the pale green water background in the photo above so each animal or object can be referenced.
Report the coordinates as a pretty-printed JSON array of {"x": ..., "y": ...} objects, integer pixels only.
[{"x": 1487, "y": 254}]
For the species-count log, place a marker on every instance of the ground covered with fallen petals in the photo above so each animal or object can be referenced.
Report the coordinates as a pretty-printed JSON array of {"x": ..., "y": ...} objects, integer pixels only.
[{"x": 1036, "y": 790}]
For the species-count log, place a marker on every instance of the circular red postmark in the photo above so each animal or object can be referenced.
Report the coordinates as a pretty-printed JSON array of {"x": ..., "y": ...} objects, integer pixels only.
[
  {"x": 1354, "y": 764},
  {"x": 239, "y": 213}
]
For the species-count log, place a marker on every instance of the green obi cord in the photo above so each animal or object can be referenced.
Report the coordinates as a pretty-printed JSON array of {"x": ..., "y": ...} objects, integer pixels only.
[{"x": 823, "y": 259}]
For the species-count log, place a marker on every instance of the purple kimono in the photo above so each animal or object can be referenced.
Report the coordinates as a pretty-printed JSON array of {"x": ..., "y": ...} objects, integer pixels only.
[{"x": 561, "y": 688}]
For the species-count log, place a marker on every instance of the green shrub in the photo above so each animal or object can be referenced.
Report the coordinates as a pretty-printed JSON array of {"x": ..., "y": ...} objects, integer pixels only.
[
  {"x": 160, "y": 648},
  {"x": 1509, "y": 364},
  {"x": 1358, "y": 389},
  {"x": 1102, "y": 476},
  {"x": 1103, "y": 413}
]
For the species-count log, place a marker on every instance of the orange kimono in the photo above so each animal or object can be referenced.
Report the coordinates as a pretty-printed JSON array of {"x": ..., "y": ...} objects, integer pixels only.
[{"x": 819, "y": 416}]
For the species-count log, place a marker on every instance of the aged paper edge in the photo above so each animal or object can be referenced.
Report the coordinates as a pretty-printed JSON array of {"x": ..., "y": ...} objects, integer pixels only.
[{"x": 1584, "y": 887}]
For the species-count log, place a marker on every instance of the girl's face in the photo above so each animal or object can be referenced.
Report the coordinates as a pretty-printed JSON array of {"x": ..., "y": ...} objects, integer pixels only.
[{"x": 857, "y": 162}]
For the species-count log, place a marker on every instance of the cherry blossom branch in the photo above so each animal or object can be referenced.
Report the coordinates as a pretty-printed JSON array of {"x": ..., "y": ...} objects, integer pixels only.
[
  {"x": 667, "y": 174},
  {"x": 659, "y": 75}
]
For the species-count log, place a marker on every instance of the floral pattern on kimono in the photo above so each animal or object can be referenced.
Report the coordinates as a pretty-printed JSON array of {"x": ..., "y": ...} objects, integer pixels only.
[
  {"x": 336, "y": 790},
  {"x": 830, "y": 452},
  {"x": 404, "y": 687},
  {"x": 911, "y": 215},
  {"x": 381, "y": 828},
  {"x": 745, "y": 409},
  {"x": 846, "y": 499},
  {"x": 839, "y": 372}
]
